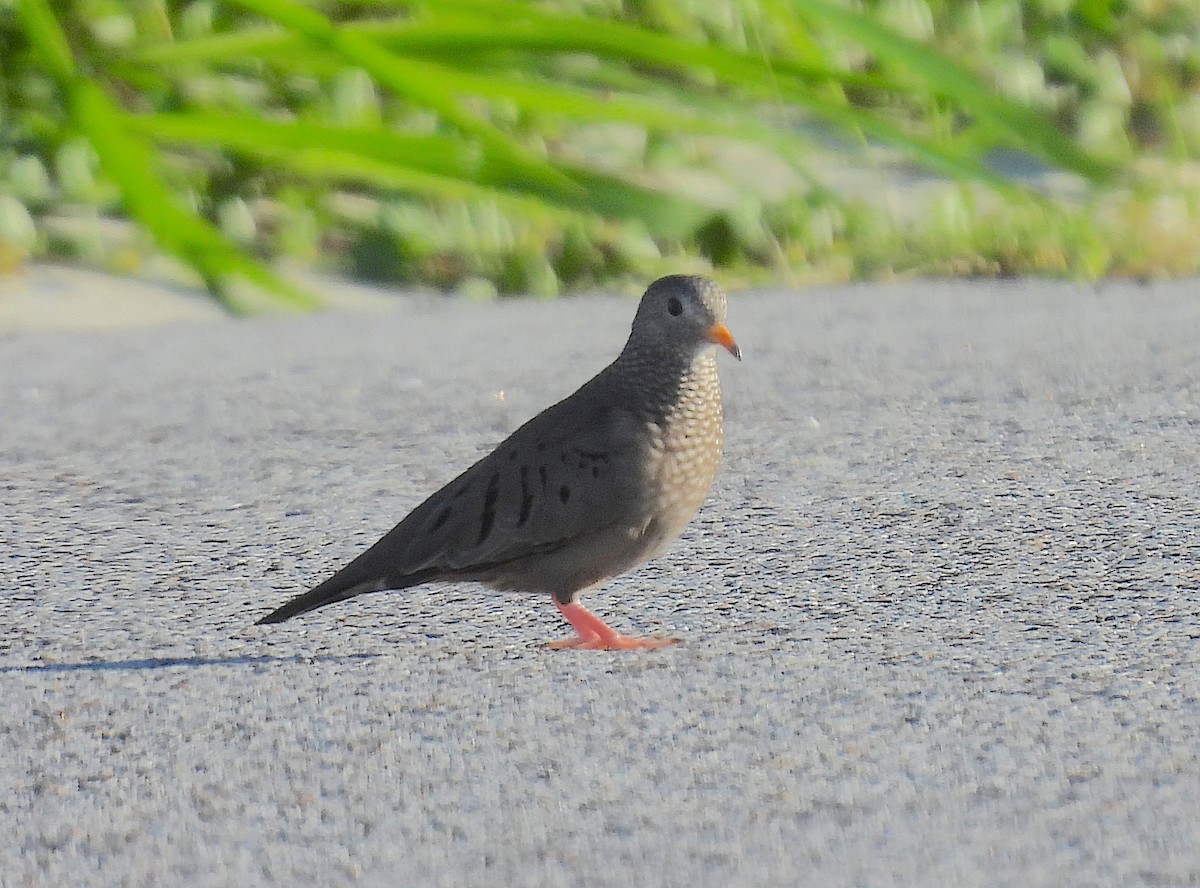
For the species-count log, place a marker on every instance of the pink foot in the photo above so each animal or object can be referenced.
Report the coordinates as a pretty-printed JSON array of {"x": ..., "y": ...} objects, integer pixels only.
[{"x": 595, "y": 635}]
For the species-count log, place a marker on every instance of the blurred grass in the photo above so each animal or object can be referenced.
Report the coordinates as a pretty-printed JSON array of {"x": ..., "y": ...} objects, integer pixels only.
[{"x": 489, "y": 147}]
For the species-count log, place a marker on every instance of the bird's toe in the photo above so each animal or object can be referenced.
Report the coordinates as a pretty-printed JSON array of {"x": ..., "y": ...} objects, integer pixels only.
[{"x": 613, "y": 643}]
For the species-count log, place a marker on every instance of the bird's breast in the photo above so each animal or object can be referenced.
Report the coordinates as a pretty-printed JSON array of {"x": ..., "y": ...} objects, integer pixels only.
[{"x": 686, "y": 448}]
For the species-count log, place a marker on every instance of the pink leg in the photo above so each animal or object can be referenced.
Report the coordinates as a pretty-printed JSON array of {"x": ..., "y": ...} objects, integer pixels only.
[{"x": 595, "y": 635}]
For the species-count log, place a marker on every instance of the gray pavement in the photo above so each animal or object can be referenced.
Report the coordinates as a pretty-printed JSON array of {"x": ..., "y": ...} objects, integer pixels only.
[{"x": 941, "y": 613}]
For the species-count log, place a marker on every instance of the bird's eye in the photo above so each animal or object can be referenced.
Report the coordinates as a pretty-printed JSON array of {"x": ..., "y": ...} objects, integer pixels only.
[{"x": 674, "y": 306}]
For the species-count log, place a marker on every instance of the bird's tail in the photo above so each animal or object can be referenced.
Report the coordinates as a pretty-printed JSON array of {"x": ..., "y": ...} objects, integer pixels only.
[
  {"x": 363, "y": 574},
  {"x": 326, "y": 593}
]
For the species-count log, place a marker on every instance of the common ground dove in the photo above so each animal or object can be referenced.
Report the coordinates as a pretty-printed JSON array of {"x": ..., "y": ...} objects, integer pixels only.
[{"x": 585, "y": 490}]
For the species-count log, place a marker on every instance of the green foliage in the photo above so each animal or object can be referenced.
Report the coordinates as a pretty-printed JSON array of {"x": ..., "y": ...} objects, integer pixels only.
[{"x": 490, "y": 146}]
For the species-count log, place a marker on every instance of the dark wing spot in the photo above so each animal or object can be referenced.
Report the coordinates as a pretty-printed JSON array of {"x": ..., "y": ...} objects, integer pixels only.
[
  {"x": 590, "y": 459},
  {"x": 564, "y": 494},
  {"x": 593, "y": 456},
  {"x": 488, "y": 518},
  {"x": 512, "y": 455},
  {"x": 542, "y": 475},
  {"x": 526, "y": 497},
  {"x": 440, "y": 520}
]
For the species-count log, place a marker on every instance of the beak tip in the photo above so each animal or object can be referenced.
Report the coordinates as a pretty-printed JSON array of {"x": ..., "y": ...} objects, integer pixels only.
[{"x": 720, "y": 334}]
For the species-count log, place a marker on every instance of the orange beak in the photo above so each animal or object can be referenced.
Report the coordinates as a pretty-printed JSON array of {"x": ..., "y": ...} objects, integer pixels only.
[{"x": 720, "y": 334}]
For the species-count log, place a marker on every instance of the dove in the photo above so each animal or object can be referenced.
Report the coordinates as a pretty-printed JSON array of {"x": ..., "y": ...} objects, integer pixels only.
[{"x": 586, "y": 490}]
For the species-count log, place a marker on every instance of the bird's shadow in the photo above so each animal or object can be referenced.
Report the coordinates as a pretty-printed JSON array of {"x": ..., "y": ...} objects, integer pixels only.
[{"x": 188, "y": 662}]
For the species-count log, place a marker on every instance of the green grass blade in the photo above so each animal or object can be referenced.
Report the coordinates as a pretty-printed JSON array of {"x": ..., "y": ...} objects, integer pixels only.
[
  {"x": 41, "y": 27},
  {"x": 340, "y": 167},
  {"x": 434, "y": 154},
  {"x": 664, "y": 215}
]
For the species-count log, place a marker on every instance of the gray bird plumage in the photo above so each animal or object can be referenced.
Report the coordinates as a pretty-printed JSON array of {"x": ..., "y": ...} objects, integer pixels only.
[{"x": 585, "y": 490}]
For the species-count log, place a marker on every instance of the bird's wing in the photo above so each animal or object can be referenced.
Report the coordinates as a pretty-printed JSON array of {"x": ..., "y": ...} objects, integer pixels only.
[{"x": 575, "y": 469}]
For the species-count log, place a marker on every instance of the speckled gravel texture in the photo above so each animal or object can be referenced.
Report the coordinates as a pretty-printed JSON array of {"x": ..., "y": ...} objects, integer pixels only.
[{"x": 941, "y": 615}]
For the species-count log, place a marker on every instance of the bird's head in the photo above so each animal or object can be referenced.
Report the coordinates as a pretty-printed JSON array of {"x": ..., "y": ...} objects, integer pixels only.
[{"x": 682, "y": 314}]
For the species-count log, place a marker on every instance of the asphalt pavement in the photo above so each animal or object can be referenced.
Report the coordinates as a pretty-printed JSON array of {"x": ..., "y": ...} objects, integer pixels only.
[{"x": 940, "y": 615}]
